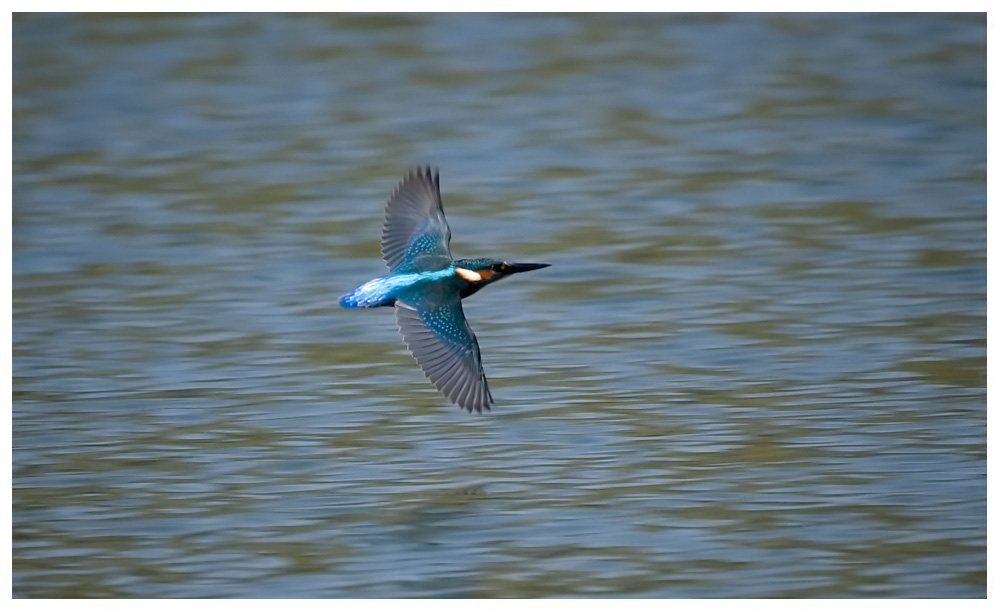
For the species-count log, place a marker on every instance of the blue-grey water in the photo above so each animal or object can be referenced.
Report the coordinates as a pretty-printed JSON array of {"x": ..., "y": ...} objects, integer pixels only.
[{"x": 756, "y": 367}]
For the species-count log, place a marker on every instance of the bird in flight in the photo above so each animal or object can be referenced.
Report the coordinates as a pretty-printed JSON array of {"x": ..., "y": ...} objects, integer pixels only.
[{"x": 427, "y": 288}]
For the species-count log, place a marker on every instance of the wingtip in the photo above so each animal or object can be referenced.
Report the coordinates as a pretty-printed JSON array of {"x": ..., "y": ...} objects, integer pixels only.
[
  {"x": 418, "y": 172},
  {"x": 477, "y": 409},
  {"x": 423, "y": 170},
  {"x": 429, "y": 172},
  {"x": 479, "y": 402}
]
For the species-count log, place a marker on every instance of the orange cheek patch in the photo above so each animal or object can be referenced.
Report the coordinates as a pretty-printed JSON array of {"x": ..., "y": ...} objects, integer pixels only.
[
  {"x": 474, "y": 276},
  {"x": 469, "y": 275}
]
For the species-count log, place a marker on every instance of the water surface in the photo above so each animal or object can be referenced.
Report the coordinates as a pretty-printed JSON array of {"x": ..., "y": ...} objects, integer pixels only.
[{"x": 756, "y": 367}]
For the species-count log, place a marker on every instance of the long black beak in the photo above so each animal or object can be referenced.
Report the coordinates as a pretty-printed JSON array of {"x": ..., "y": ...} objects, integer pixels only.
[{"x": 515, "y": 268}]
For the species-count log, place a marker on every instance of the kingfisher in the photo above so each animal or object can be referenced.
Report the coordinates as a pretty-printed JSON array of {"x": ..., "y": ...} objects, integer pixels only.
[{"x": 427, "y": 287}]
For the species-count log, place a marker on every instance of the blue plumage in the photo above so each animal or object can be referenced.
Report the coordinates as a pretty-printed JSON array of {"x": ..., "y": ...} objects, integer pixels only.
[
  {"x": 427, "y": 287},
  {"x": 382, "y": 291}
]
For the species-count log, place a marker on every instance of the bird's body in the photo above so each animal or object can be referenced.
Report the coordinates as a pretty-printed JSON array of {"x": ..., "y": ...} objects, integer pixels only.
[
  {"x": 427, "y": 286},
  {"x": 385, "y": 290}
]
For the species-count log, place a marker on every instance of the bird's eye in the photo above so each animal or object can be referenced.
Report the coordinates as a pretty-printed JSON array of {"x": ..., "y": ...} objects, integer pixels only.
[{"x": 498, "y": 267}]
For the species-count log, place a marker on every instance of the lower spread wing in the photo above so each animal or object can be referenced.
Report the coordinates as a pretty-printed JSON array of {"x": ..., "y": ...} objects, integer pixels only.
[
  {"x": 415, "y": 234},
  {"x": 446, "y": 349}
]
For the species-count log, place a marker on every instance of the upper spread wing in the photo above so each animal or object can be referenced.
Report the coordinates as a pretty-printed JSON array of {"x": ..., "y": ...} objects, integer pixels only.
[
  {"x": 415, "y": 235},
  {"x": 446, "y": 349}
]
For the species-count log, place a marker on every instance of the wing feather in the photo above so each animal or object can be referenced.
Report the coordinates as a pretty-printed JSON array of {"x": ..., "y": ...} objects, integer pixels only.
[
  {"x": 440, "y": 339},
  {"x": 415, "y": 234}
]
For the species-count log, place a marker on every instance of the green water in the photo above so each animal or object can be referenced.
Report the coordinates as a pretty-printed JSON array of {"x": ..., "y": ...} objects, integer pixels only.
[{"x": 756, "y": 367}]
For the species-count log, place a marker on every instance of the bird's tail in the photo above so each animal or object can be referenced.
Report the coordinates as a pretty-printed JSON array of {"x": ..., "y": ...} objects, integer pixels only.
[
  {"x": 358, "y": 299},
  {"x": 374, "y": 293}
]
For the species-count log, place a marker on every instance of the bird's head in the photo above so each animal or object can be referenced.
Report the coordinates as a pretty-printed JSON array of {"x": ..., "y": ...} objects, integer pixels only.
[{"x": 481, "y": 272}]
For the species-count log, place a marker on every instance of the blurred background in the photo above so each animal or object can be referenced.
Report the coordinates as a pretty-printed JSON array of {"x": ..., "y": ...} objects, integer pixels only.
[{"x": 756, "y": 367}]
